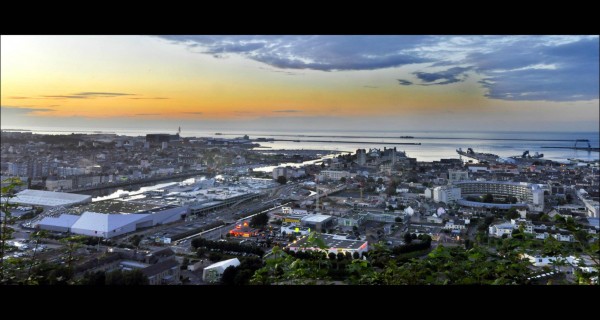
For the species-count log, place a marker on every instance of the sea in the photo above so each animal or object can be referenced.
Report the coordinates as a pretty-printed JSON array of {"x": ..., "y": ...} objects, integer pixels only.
[{"x": 434, "y": 145}]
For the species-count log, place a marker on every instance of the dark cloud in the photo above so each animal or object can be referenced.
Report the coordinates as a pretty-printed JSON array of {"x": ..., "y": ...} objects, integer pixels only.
[
  {"x": 20, "y": 98},
  {"x": 155, "y": 98},
  {"x": 103, "y": 94},
  {"x": 370, "y": 87},
  {"x": 66, "y": 97},
  {"x": 86, "y": 95},
  {"x": 553, "y": 68},
  {"x": 325, "y": 53},
  {"x": 12, "y": 110},
  {"x": 194, "y": 112},
  {"x": 451, "y": 75},
  {"x": 530, "y": 70},
  {"x": 287, "y": 111}
]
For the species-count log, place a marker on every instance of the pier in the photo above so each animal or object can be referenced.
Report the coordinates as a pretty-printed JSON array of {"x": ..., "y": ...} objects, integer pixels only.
[
  {"x": 575, "y": 147},
  {"x": 340, "y": 141}
]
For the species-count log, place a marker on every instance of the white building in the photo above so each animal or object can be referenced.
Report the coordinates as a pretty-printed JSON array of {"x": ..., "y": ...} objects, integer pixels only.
[
  {"x": 446, "y": 194},
  {"x": 498, "y": 230},
  {"x": 334, "y": 175},
  {"x": 62, "y": 223},
  {"x": 49, "y": 198},
  {"x": 62, "y": 184},
  {"x": 214, "y": 272},
  {"x": 457, "y": 175},
  {"x": 111, "y": 225},
  {"x": 428, "y": 193}
]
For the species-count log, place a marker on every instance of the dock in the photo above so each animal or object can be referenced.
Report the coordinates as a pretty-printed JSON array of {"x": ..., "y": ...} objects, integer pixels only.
[
  {"x": 576, "y": 148},
  {"x": 355, "y": 142}
]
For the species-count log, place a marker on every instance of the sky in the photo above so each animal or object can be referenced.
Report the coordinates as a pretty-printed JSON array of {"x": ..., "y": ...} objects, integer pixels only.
[{"x": 301, "y": 83}]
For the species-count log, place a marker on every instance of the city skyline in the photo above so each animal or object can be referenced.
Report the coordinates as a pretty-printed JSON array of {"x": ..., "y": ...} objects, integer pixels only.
[{"x": 531, "y": 83}]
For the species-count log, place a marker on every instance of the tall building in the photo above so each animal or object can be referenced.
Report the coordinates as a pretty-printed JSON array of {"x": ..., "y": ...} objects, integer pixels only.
[
  {"x": 446, "y": 194},
  {"x": 361, "y": 155}
]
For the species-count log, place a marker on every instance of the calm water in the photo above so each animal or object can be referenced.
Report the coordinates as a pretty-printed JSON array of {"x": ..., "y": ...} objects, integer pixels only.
[{"x": 434, "y": 144}]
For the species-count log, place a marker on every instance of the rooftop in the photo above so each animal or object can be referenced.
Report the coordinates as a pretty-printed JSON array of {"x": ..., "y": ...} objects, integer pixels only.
[
  {"x": 316, "y": 218},
  {"x": 48, "y": 198},
  {"x": 333, "y": 241},
  {"x": 117, "y": 206}
]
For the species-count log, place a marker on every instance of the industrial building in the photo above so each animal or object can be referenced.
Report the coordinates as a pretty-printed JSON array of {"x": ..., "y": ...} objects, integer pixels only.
[
  {"x": 61, "y": 223},
  {"x": 318, "y": 222},
  {"x": 110, "y": 225},
  {"x": 49, "y": 198}
]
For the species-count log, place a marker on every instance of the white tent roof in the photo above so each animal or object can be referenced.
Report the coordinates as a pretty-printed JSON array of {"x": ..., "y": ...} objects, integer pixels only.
[
  {"x": 48, "y": 198},
  {"x": 224, "y": 264},
  {"x": 105, "y": 222},
  {"x": 64, "y": 220}
]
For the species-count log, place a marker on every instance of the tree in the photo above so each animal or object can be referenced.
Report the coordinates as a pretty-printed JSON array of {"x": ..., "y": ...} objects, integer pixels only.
[
  {"x": 229, "y": 275},
  {"x": 407, "y": 238},
  {"x": 7, "y": 193},
  {"x": 488, "y": 198},
  {"x": 343, "y": 179},
  {"x": 282, "y": 180},
  {"x": 512, "y": 214},
  {"x": 136, "y": 239},
  {"x": 260, "y": 220}
]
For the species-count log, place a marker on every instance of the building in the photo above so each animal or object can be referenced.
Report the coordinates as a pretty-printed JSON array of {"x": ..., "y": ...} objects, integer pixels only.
[
  {"x": 280, "y": 171},
  {"x": 457, "y": 175},
  {"x": 243, "y": 230},
  {"x": 61, "y": 223},
  {"x": 49, "y": 198},
  {"x": 498, "y": 230},
  {"x": 317, "y": 222},
  {"x": 333, "y": 244},
  {"x": 62, "y": 184},
  {"x": 361, "y": 157},
  {"x": 161, "y": 137},
  {"x": 526, "y": 193},
  {"x": 106, "y": 225},
  {"x": 446, "y": 194},
  {"x": 214, "y": 272},
  {"x": 334, "y": 175},
  {"x": 162, "y": 273}
]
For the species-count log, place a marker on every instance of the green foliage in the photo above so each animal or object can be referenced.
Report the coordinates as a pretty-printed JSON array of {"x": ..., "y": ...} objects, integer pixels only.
[
  {"x": 282, "y": 180},
  {"x": 199, "y": 243},
  {"x": 488, "y": 198},
  {"x": 260, "y": 220},
  {"x": 7, "y": 192}
]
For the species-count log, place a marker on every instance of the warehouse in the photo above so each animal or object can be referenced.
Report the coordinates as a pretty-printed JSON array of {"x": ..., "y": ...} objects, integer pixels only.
[
  {"x": 62, "y": 223},
  {"x": 105, "y": 225},
  {"x": 49, "y": 198}
]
